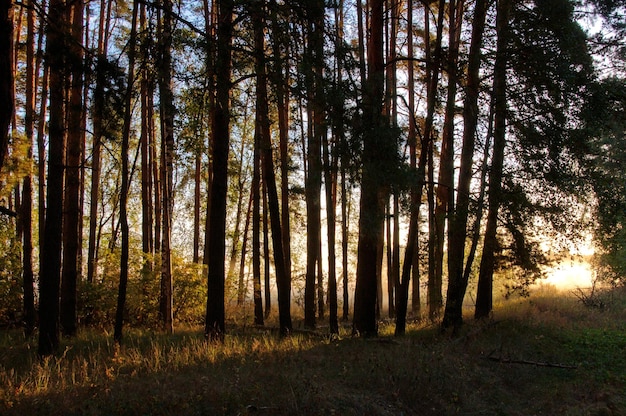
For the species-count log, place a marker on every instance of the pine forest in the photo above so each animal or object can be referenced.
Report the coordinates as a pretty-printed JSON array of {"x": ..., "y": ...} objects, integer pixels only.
[{"x": 312, "y": 183}]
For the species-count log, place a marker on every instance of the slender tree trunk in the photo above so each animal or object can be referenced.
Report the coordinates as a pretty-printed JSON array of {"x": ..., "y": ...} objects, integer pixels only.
[
  {"x": 41, "y": 152},
  {"x": 484, "y": 296},
  {"x": 232, "y": 264},
  {"x": 210, "y": 22},
  {"x": 242, "y": 289},
  {"x": 372, "y": 197},
  {"x": 147, "y": 207},
  {"x": 330, "y": 179},
  {"x": 6, "y": 75},
  {"x": 215, "y": 325},
  {"x": 197, "y": 180},
  {"x": 389, "y": 246},
  {"x": 256, "y": 232},
  {"x": 50, "y": 275},
  {"x": 73, "y": 162},
  {"x": 480, "y": 202},
  {"x": 266, "y": 255},
  {"x": 97, "y": 122},
  {"x": 445, "y": 183},
  {"x": 411, "y": 260},
  {"x": 27, "y": 189},
  {"x": 314, "y": 159},
  {"x": 167, "y": 155},
  {"x": 121, "y": 296},
  {"x": 434, "y": 60},
  {"x": 344, "y": 242},
  {"x": 282, "y": 98},
  {"x": 263, "y": 129},
  {"x": 453, "y": 314}
]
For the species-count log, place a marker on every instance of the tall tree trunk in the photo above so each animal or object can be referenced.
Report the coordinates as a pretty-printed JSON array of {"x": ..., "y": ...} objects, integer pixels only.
[
  {"x": 411, "y": 260},
  {"x": 215, "y": 325},
  {"x": 445, "y": 183},
  {"x": 266, "y": 256},
  {"x": 256, "y": 232},
  {"x": 232, "y": 264},
  {"x": 121, "y": 296},
  {"x": 97, "y": 122},
  {"x": 50, "y": 275},
  {"x": 314, "y": 159},
  {"x": 241, "y": 290},
  {"x": 147, "y": 207},
  {"x": 433, "y": 66},
  {"x": 197, "y": 181},
  {"x": 210, "y": 22},
  {"x": 167, "y": 155},
  {"x": 389, "y": 254},
  {"x": 282, "y": 98},
  {"x": 330, "y": 159},
  {"x": 372, "y": 196},
  {"x": 73, "y": 167},
  {"x": 262, "y": 128},
  {"x": 6, "y": 75},
  {"x": 27, "y": 188},
  {"x": 484, "y": 295},
  {"x": 453, "y": 314},
  {"x": 344, "y": 242}
]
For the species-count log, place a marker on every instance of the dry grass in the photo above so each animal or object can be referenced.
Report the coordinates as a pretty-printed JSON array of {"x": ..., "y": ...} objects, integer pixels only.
[{"x": 255, "y": 372}]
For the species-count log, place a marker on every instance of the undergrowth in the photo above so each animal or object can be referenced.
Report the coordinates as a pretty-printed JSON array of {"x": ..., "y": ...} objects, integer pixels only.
[{"x": 548, "y": 354}]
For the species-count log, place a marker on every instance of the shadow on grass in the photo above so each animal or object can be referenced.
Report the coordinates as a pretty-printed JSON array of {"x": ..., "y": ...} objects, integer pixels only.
[{"x": 255, "y": 372}]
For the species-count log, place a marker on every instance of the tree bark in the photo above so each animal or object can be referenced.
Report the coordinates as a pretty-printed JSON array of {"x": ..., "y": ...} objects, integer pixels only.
[
  {"x": 27, "y": 189},
  {"x": 97, "y": 122},
  {"x": 372, "y": 195},
  {"x": 215, "y": 325},
  {"x": 6, "y": 75},
  {"x": 241, "y": 288},
  {"x": 484, "y": 295},
  {"x": 445, "y": 183},
  {"x": 73, "y": 168},
  {"x": 266, "y": 257},
  {"x": 262, "y": 128},
  {"x": 256, "y": 233},
  {"x": 453, "y": 314},
  {"x": 282, "y": 98},
  {"x": 167, "y": 155},
  {"x": 314, "y": 159},
  {"x": 146, "y": 135},
  {"x": 121, "y": 296},
  {"x": 50, "y": 275}
]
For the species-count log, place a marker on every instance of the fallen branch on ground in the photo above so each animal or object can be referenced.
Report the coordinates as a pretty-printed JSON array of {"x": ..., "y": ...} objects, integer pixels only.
[{"x": 528, "y": 362}]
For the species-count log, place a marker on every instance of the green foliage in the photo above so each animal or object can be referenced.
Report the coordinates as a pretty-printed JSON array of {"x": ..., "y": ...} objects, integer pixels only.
[
  {"x": 606, "y": 123},
  {"x": 10, "y": 274},
  {"x": 97, "y": 301}
]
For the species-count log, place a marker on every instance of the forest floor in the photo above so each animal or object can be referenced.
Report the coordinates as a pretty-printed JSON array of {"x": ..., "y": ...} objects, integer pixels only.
[{"x": 544, "y": 355}]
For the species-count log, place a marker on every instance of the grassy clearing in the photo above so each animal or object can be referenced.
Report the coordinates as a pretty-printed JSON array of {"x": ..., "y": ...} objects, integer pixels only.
[{"x": 254, "y": 372}]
